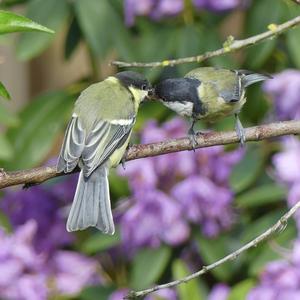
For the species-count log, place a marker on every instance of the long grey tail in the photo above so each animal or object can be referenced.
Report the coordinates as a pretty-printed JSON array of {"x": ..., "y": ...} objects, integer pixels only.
[{"x": 91, "y": 204}]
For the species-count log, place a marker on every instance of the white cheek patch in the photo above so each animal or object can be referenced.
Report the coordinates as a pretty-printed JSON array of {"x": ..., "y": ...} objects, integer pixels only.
[
  {"x": 182, "y": 108},
  {"x": 137, "y": 93}
]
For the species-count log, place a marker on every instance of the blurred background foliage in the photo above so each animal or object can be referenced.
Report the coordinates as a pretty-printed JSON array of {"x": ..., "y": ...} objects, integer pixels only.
[{"x": 255, "y": 187}]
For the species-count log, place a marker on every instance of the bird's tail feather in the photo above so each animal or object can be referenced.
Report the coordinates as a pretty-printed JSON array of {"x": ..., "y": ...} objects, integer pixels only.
[
  {"x": 253, "y": 78},
  {"x": 91, "y": 204}
]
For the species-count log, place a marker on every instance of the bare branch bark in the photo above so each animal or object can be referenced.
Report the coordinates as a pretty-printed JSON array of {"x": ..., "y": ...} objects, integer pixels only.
[
  {"x": 257, "y": 133},
  {"x": 278, "y": 227},
  {"x": 230, "y": 45}
]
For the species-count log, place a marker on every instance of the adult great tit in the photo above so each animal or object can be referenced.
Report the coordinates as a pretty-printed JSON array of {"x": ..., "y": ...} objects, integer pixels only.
[
  {"x": 96, "y": 139},
  {"x": 208, "y": 93}
]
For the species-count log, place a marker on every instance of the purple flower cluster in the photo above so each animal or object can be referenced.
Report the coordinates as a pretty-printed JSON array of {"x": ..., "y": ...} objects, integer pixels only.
[
  {"x": 280, "y": 280},
  {"x": 158, "y": 9},
  {"x": 287, "y": 166},
  {"x": 32, "y": 266},
  {"x": 26, "y": 274},
  {"x": 170, "y": 192},
  {"x": 284, "y": 89},
  {"x": 45, "y": 205},
  {"x": 217, "y": 5},
  {"x": 219, "y": 292}
]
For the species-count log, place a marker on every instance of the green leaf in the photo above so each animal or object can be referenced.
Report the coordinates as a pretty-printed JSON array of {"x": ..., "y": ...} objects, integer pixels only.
[
  {"x": 6, "y": 117},
  {"x": 262, "y": 195},
  {"x": 73, "y": 38},
  {"x": 213, "y": 42},
  {"x": 148, "y": 265},
  {"x": 3, "y": 92},
  {"x": 52, "y": 13},
  {"x": 241, "y": 290},
  {"x": 99, "y": 242},
  {"x": 246, "y": 171},
  {"x": 10, "y": 22},
  {"x": 258, "y": 54},
  {"x": 189, "y": 44},
  {"x": 293, "y": 38},
  {"x": 6, "y": 151},
  {"x": 4, "y": 222},
  {"x": 267, "y": 253},
  {"x": 94, "y": 17},
  {"x": 190, "y": 290},
  {"x": 95, "y": 292},
  {"x": 40, "y": 122},
  {"x": 212, "y": 250},
  {"x": 258, "y": 226}
]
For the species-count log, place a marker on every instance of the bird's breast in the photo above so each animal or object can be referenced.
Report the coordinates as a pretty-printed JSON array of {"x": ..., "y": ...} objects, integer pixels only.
[{"x": 183, "y": 108}]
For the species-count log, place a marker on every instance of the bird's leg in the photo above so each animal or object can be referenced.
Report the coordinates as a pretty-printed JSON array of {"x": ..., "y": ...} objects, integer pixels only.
[
  {"x": 192, "y": 135},
  {"x": 240, "y": 131}
]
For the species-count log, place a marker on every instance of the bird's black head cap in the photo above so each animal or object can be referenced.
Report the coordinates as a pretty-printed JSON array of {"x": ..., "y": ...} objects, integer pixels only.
[
  {"x": 177, "y": 90},
  {"x": 137, "y": 80}
]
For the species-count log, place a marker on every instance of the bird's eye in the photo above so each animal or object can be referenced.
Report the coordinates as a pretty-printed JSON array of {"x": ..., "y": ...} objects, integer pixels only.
[{"x": 144, "y": 87}]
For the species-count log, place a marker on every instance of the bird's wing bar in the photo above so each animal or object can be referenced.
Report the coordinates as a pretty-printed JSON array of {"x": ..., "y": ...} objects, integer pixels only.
[
  {"x": 72, "y": 147},
  {"x": 101, "y": 143}
]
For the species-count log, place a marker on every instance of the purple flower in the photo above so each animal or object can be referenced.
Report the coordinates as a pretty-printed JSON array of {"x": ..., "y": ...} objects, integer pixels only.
[
  {"x": 205, "y": 203},
  {"x": 156, "y": 9},
  {"x": 287, "y": 162},
  {"x": 284, "y": 89},
  {"x": 140, "y": 177},
  {"x": 165, "y": 294},
  {"x": 167, "y": 8},
  {"x": 118, "y": 295},
  {"x": 280, "y": 280},
  {"x": 22, "y": 273},
  {"x": 41, "y": 205},
  {"x": 217, "y": 5},
  {"x": 287, "y": 165},
  {"x": 25, "y": 274},
  {"x": 170, "y": 191},
  {"x": 72, "y": 271},
  {"x": 151, "y": 220},
  {"x": 219, "y": 292}
]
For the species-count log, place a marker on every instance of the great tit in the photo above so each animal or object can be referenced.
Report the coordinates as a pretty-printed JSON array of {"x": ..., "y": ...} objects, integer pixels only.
[
  {"x": 208, "y": 93},
  {"x": 96, "y": 139}
]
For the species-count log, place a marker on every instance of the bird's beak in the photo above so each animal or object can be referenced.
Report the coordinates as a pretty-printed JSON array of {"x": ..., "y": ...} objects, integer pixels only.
[{"x": 151, "y": 95}]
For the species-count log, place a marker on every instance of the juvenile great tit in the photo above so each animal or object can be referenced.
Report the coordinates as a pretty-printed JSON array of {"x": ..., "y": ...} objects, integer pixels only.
[
  {"x": 208, "y": 93},
  {"x": 96, "y": 139}
]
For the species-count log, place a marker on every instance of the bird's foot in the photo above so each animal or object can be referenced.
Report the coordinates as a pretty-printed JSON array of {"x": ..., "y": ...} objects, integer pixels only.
[
  {"x": 192, "y": 136},
  {"x": 240, "y": 131},
  {"x": 123, "y": 160},
  {"x": 2, "y": 172}
]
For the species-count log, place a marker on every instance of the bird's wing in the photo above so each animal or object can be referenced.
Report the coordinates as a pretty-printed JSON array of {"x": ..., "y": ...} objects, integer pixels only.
[
  {"x": 72, "y": 147},
  {"x": 103, "y": 140}
]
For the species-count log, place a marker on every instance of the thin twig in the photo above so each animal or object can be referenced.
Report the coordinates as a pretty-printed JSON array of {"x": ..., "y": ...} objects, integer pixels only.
[
  {"x": 230, "y": 45},
  {"x": 257, "y": 133},
  {"x": 277, "y": 227}
]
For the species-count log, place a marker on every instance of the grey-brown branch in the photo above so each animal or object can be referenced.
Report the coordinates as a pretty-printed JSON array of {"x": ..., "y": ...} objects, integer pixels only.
[
  {"x": 257, "y": 133},
  {"x": 276, "y": 228},
  {"x": 230, "y": 45}
]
